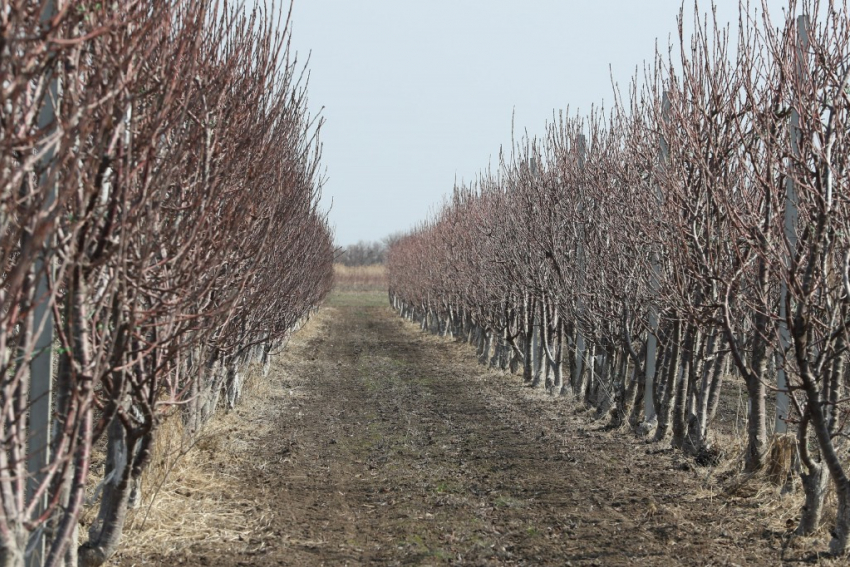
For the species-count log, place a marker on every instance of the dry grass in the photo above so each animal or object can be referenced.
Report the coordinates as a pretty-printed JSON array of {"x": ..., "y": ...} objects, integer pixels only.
[
  {"x": 189, "y": 496},
  {"x": 190, "y": 493},
  {"x": 360, "y": 278},
  {"x": 770, "y": 499},
  {"x": 183, "y": 486}
]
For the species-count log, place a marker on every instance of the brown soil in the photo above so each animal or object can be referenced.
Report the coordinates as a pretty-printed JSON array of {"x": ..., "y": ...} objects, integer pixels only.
[{"x": 377, "y": 444}]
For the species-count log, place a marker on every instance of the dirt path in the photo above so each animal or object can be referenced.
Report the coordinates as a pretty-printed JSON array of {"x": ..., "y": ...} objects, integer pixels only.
[{"x": 381, "y": 445}]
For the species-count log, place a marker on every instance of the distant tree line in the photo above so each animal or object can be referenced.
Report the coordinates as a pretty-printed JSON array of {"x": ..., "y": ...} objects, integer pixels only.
[{"x": 366, "y": 253}]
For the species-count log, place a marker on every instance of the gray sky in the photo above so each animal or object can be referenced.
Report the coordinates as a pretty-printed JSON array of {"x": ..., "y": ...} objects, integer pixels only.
[{"x": 417, "y": 93}]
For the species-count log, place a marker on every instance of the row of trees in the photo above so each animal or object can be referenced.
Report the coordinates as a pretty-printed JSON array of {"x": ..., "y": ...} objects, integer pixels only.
[
  {"x": 159, "y": 231},
  {"x": 633, "y": 258}
]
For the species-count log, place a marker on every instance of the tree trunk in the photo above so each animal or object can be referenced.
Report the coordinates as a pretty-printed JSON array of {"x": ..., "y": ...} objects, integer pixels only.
[
  {"x": 628, "y": 388},
  {"x": 698, "y": 424},
  {"x": 528, "y": 350},
  {"x": 589, "y": 375},
  {"x": 636, "y": 413},
  {"x": 105, "y": 532},
  {"x": 820, "y": 424},
  {"x": 497, "y": 348},
  {"x": 267, "y": 359},
  {"x": 720, "y": 370},
  {"x": 815, "y": 482},
  {"x": 603, "y": 392},
  {"x": 234, "y": 383},
  {"x": 834, "y": 384},
  {"x": 557, "y": 360},
  {"x": 516, "y": 360},
  {"x": 12, "y": 555},
  {"x": 505, "y": 350},
  {"x": 673, "y": 370},
  {"x": 566, "y": 347},
  {"x": 665, "y": 355},
  {"x": 680, "y": 406},
  {"x": 537, "y": 348},
  {"x": 486, "y": 346},
  {"x": 756, "y": 426},
  {"x": 572, "y": 359},
  {"x": 551, "y": 348}
]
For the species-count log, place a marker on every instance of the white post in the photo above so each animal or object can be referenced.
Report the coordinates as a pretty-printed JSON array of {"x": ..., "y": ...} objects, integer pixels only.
[
  {"x": 41, "y": 366},
  {"x": 580, "y": 261},
  {"x": 536, "y": 336},
  {"x": 782, "y": 400},
  {"x": 652, "y": 339}
]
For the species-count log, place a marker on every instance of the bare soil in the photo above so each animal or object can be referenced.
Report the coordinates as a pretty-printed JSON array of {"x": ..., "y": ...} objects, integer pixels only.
[{"x": 374, "y": 443}]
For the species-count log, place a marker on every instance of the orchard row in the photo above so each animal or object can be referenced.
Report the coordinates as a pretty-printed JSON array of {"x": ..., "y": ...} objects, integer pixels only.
[
  {"x": 159, "y": 233},
  {"x": 699, "y": 232}
]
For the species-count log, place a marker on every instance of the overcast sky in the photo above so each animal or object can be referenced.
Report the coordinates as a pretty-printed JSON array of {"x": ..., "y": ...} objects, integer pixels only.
[{"x": 418, "y": 93}]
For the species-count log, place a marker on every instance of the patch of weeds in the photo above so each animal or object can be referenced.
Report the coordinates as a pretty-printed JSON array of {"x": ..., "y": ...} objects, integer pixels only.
[
  {"x": 418, "y": 546},
  {"x": 380, "y": 374},
  {"x": 478, "y": 542},
  {"x": 358, "y": 299},
  {"x": 507, "y": 502},
  {"x": 372, "y": 380},
  {"x": 446, "y": 487},
  {"x": 417, "y": 543}
]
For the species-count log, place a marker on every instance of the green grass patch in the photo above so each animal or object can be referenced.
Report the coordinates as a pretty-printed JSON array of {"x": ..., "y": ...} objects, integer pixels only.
[
  {"x": 356, "y": 299},
  {"x": 507, "y": 502},
  {"x": 446, "y": 487}
]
